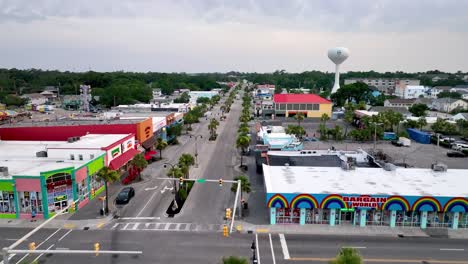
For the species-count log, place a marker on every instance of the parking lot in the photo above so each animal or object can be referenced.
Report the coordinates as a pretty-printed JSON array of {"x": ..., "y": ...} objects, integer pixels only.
[{"x": 417, "y": 155}]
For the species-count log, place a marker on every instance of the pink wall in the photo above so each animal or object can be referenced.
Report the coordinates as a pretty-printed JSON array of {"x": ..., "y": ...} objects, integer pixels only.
[
  {"x": 83, "y": 203},
  {"x": 81, "y": 174},
  {"x": 28, "y": 185}
]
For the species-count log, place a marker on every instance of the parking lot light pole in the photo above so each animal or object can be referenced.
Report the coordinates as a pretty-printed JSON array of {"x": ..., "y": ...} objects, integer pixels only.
[{"x": 196, "y": 148}]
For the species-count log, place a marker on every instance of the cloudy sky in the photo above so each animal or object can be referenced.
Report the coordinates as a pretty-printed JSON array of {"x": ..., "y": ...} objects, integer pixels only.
[{"x": 218, "y": 35}]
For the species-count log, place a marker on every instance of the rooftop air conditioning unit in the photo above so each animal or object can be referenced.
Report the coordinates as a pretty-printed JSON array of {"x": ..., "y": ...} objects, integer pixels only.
[
  {"x": 4, "y": 171},
  {"x": 41, "y": 154},
  {"x": 439, "y": 167},
  {"x": 70, "y": 139},
  {"x": 389, "y": 167}
]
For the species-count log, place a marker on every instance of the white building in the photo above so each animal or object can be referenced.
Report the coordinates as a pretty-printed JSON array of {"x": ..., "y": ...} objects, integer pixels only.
[
  {"x": 194, "y": 95},
  {"x": 448, "y": 104},
  {"x": 411, "y": 91},
  {"x": 463, "y": 116},
  {"x": 387, "y": 86}
]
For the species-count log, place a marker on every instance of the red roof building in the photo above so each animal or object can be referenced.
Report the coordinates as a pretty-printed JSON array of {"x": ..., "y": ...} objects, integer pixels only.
[{"x": 311, "y": 105}]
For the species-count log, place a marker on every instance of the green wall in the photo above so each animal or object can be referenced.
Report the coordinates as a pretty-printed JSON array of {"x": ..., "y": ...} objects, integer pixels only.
[
  {"x": 47, "y": 174},
  {"x": 95, "y": 165},
  {"x": 6, "y": 185}
]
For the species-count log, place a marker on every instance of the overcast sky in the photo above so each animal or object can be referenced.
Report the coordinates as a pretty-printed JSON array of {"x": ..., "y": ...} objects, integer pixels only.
[{"x": 217, "y": 35}]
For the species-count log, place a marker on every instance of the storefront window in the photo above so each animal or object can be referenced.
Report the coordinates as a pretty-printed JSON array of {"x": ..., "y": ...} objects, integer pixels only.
[
  {"x": 59, "y": 191},
  {"x": 316, "y": 216},
  {"x": 287, "y": 216},
  {"x": 95, "y": 183},
  {"x": 82, "y": 189},
  {"x": 463, "y": 220},
  {"x": 30, "y": 202},
  {"x": 7, "y": 202}
]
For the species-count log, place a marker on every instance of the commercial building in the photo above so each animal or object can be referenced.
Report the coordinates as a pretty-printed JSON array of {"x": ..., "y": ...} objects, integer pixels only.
[
  {"x": 387, "y": 86},
  {"x": 399, "y": 102},
  {"x": 275, "y": 138},
  {"x": 194, "y": 95},
  {"x": 39, "y": 178},
  {"x": 363, "y": 196},
  {"x": 411, "y": 91},
  {"x": 311, "y": 105}
]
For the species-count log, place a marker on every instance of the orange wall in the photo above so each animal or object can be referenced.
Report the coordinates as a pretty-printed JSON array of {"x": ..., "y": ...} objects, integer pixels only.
[{"x": 144, "y": 130}]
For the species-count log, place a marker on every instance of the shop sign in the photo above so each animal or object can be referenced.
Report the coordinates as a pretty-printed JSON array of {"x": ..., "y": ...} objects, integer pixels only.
[
  {"x": 115, "y": 152},
  {"x": 364, "y": 201},
  {"x": 60, "y": 198}
]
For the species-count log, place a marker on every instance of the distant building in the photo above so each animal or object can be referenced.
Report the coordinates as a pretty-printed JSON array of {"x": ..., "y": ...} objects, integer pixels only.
[
  {"x": 439, "y": 77},
  {"x": 463, "y": 116},
  {"x": 194, "y": 95},
  {"x": 448, "y": 104},
  {"x": 399, "y": 102},
  {"x": 35, "y": 98},
  {"x": 436, "y": 90},
  {"x": 402, "y": 110},
  {"x": 386, "y": 86},
  {"x": 311, "y": 105},
  {"x": 411, "y": 91}
]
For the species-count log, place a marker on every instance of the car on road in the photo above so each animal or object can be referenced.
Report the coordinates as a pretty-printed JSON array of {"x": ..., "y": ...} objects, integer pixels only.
[
  {"x": 456, "y": 154},
  {"x": 125, "y": 195}
]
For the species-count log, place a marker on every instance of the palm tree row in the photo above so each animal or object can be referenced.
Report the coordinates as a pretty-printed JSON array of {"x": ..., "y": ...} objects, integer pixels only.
[{"x": 243, "y": 138}]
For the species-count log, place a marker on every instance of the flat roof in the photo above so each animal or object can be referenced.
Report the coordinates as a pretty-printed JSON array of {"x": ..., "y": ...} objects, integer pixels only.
[
  {"x": 365, "y": 181},
  {"x": 94, "y": 141},
  {"x": 34, "y": 166}
]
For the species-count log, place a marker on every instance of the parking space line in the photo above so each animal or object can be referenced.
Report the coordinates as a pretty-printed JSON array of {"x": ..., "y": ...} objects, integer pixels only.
[
  {"x": 284, "y": 246},
  {"x": 272, "y": 251},
  {"x": 258, "y": 246},
  {"x": 69, "y": 231}
]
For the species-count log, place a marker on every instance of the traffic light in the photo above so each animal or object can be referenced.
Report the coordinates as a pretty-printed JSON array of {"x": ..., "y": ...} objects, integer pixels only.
[
  {"x": 225, "y": 231},
  {"x": 71, "y": 209},
  {"x": 228, "y": 213},
  {"x": 32, "y": 246},
  {"x": 97, "y": 248},
  {"x": 181, "y": 181},
  {"x": 220, "y": 182},
  {"x": 92, "y": 192}
]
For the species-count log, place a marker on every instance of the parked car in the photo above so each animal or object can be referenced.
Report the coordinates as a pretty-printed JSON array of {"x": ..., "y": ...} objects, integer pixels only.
[
  {"x": 460, "y": 146},
  {"x": 397, "y": 143},
  {"x": 456, "y": 154},
  {"x": 125, "y": 195},
  {"x": 310, "y": 139}
]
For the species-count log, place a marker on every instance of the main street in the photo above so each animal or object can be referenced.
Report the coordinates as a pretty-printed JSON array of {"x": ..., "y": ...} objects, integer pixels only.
[{"x": 210, "y": 247}]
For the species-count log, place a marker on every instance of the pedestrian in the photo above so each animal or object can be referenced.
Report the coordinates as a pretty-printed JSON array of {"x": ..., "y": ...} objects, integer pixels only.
[{"x": 33, "y": 214}]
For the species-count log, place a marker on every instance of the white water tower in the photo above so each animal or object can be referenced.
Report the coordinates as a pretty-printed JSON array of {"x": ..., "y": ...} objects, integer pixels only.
[{"x": 338, "y": 55}]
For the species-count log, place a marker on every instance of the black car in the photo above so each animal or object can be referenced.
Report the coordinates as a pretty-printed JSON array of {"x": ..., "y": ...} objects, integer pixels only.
[
  {"x": 456, "y": 154},
  {"x": 125, "y": 195}
]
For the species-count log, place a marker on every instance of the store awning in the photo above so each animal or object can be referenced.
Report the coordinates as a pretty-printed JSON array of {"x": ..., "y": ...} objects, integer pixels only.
[
  {"x": 121, "y": 160},
  {"x": 149, "y": 143}
]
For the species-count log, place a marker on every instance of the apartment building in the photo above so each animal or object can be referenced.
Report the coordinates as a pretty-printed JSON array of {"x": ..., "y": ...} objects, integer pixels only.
[{"x": 387, "y": 86}]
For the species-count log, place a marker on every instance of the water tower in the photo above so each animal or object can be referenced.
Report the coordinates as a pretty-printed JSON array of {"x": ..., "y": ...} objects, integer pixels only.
[{"x": 338, "y": 55}]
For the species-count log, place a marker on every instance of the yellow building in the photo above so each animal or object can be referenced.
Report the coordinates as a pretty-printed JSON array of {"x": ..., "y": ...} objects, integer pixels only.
[{"x": 311, "y": 105}]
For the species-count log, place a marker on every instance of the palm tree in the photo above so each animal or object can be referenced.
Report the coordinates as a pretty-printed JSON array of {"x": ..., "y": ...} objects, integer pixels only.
[
  {"x": 422, "y": 122},
  {"x": 242, "y": 142},
  {"x": 212, "y": 127},
  {"x": 244, "y": 118},
  {"x": 243, "y": 130},
  {"x": 189, "y": 119},
  {"x": 185, "y": 161},
  {"x": 234, "y": 260},
  {"x": 175, "y": 172},
  {"x": 347, "y": 256},
  {"x": 139, "y": 162},
  {"x": 299, "y": 117},
  {"x": 324, "y": 118},
  {"x": 108, "y": 176},
  {"x": 245, "y": 185},
  {"x": 160, "y": 145}
]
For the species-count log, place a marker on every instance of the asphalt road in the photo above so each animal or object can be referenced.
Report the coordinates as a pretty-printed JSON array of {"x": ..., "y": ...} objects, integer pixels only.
[{"x": 203, "y": 247}]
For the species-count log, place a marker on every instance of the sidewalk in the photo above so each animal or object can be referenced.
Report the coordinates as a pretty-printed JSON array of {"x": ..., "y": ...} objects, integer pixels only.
[
  {"x": 384, "y": 231},
  {"x": 56, "y": 223}
]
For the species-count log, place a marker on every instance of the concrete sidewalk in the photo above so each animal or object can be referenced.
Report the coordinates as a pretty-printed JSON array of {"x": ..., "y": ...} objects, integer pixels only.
[
  {"x": 56, "y": 223},
  {"x": 384, "y": 231}
]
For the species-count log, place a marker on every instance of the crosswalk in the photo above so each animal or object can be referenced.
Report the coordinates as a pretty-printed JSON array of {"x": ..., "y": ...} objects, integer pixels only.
[{"x": 169, "y": 227}]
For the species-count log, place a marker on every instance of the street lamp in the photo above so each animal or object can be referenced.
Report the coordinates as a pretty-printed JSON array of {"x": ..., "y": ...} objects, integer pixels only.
[
  {"x": 196, "y": 148},
  {"x": 173, "y": 167}
]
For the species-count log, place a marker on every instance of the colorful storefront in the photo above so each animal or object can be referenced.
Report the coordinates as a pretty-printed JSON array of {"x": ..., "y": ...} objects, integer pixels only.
[
  {"x": 394, "y": 210},
  {"x": 41, "y": 196}
]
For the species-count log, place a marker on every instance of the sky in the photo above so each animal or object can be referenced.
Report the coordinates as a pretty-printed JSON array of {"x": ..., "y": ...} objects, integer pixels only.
[{"x": 233, "y": 35}]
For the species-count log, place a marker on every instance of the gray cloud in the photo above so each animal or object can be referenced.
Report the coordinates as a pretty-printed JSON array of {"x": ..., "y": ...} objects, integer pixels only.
[{"x": 330, "y": 15}]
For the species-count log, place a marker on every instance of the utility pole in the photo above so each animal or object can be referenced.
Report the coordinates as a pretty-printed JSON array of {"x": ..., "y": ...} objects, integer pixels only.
[
  {"x": 196, "y": 148},
  {"x": 173, "y": 167}
]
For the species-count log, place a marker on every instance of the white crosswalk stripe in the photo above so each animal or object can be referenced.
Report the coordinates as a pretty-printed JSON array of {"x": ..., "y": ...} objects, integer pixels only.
[{"x": 170, "y": 227}]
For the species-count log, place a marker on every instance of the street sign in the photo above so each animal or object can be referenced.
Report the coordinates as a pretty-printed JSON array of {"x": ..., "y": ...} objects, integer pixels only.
[
  {"x": 202, "y": 180},
  {"x": 347, "y": 209}
]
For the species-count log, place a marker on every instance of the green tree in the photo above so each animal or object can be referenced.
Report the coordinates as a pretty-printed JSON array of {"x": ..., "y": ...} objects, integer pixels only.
[
  {"x": 108, "y": 176},
  {"x": 140, "y": 163},
  {"x": 243, "y": 143},
  {"x": 295, "y": 130},
  {"x": 223, "y": 109},
  {"x": 299, "y": 117},
  {"x": 356, "y": 92},
  {"x": 183, "y": 99},
  {"x": 422, "y": 122},
  {"x": 212, "y": 127},
  {"x": 189, "y": 119},
  {"x": 418, "y": 109},
  {"x": 347, "y": 256},
  {"x": 185, "y": 162},
  {"x": 446, "y": 94},
  {"x": 245, "y": 185},
  {"x": 160, "y": 145},
  {"x": 234, "y": 260},
  {"x": 175, "y": 172},
  {"x": 243, "y": 130},
  {"x": 324, "y": 118},
  {"x": 203, "y": 100}
]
